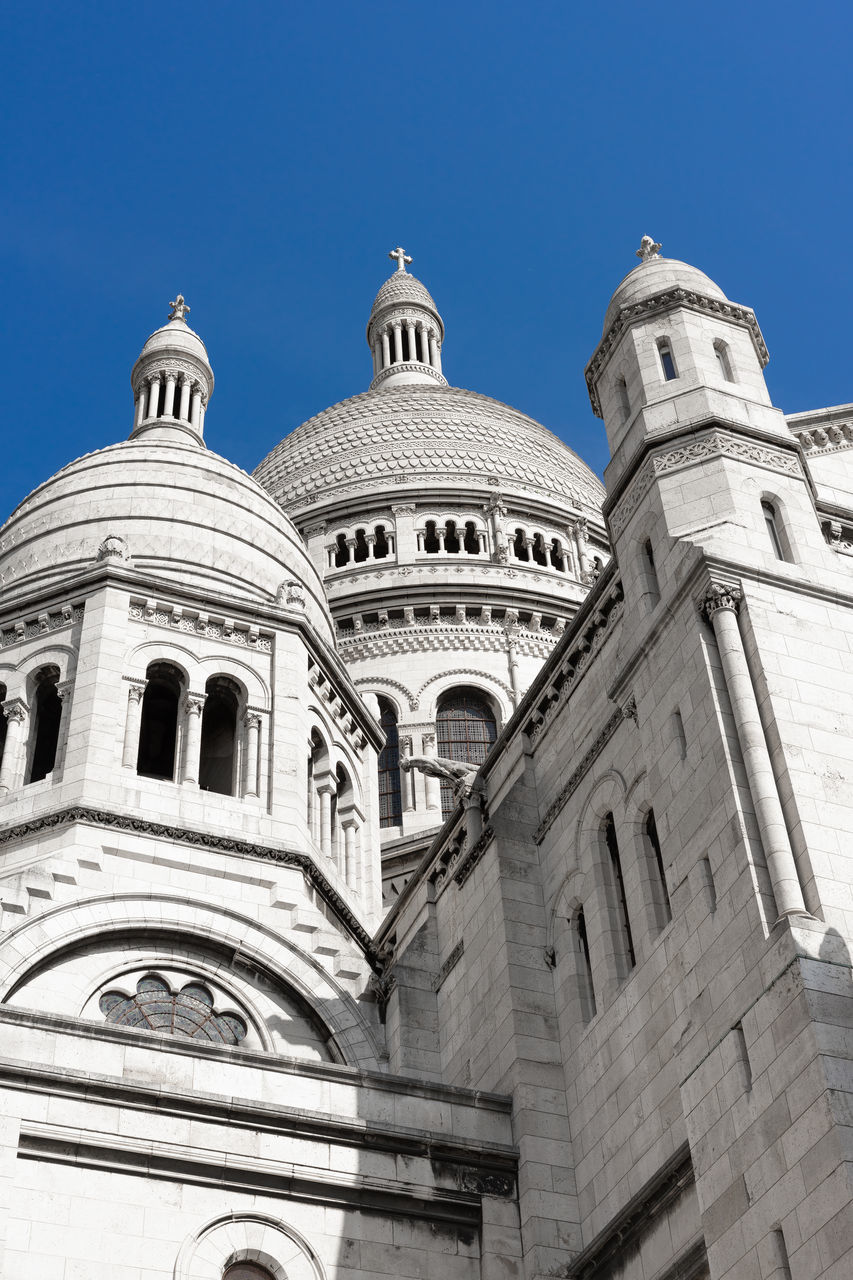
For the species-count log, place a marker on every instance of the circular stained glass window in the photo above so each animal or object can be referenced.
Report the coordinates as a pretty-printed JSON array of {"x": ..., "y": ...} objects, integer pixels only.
[{"x": 189, "y": 1012}]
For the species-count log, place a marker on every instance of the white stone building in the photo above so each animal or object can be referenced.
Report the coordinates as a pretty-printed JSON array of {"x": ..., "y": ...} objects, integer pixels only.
[{"x": 597, "y": 742}]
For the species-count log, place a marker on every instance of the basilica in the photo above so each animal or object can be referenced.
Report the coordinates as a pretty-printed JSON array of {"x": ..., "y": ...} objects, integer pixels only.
[{"x": 420, "y": 859}]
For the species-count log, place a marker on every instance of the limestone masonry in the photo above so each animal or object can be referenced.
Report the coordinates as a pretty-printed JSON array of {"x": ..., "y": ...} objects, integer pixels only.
[{"x": 420, "y": 860}]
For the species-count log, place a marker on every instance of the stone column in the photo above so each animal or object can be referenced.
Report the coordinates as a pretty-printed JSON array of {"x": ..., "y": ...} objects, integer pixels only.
[
  {"x": 423, "y": 334},
  {"x": 511, "y": 629},
  {"x": 496, "y": 511},
  {"x": 482, "y": 539},
  {"x": 195, "y": 407},
  {"x": 133, "y": 721},
  {"x": 433, "y": 351},
  {"x": 201, "y": 411},
  {"x": 720, "y": 606},
  {"x": 16, "y": 712},
  {"x": 407, "y": 777},
  {"x": 413, "y": 350},
  {"x": 377, "y": 356},
  {"x": 64, "y": 691},
  {"x": 184, "y": 410},
  {"x": 398, "y": 343},
  {"x": 386, "y": 350},
  {"x": 432, "y": 786},
  {"x": 579, "y": 531},
  {"x": 252, "y": 721},
  {"x": 325, "y": 791},
  {"x": 140, "y": 406},
  {"x": 193, "y": 708},
  {"x": 169, "y": 404},
  {"x": 153, "y": 395}
]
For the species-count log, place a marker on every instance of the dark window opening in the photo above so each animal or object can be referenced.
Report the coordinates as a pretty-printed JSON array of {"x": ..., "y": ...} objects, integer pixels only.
[
  {"x": 431, "y": 538},
  {"x": 519, "y": 545},
  {"x": 218, "y": 737},
  {"x": 619, "y": 885},
  {"x": 247, "y": 1271},
  {"x": 651, "y": 571},
  {"x": 390, "y": 799},
  {"x": 161, "y": 398},
  {"x": 663, "y": 908},
  {"x": 4, "y": 724},
  {"x": 472, "y": 542},
  {"x": 624, "y": 402},
  {"x": 342, "y": 552},
  {"x": 362, "y": 550},
  {"x": 724, "y": 360},
  {"x": 451, "y": 538},
  {"x": 48, "y": 707},
  {"x": 380, "y": 546},
  {"x": 404, "y": 333},
  {"x": 556, "y": 554},
  {"x": 587, "y": 990},
  {"x": 771, "y": 523},
  {"x": 667, "y": 362},
  {"x": 465, "y": 730},
  {"x": 540, "y": 554},
  {"x": 158, "y": 731}
]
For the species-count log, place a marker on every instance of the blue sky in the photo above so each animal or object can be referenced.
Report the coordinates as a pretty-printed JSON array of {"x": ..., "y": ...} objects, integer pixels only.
[{"x": 263, "y": 158}]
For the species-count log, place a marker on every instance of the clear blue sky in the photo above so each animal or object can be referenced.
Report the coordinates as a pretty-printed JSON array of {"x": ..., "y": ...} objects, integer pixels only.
[{"x": 262, "y": 158}]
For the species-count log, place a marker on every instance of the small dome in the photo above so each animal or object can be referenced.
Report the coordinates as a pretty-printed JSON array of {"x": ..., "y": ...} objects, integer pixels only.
[
  {"x": 175, "y": 336},
  {"x": 177, "y": 512},
  {"x": 423, "y": 435},
  {"x": 659, "y": 275},
  {"x": 402, "y": 288}
]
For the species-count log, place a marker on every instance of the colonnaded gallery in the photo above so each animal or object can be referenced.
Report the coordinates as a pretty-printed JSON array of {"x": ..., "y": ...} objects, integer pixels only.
[{"x": 420, "y": 860}]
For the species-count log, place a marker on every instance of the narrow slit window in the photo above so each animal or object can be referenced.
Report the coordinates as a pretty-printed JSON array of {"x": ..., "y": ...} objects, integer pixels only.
[
  {"x": 773, "y": 533},
  {"x": 584, "y": 968},
  {"x": 660, "y": 892},
  {"x": 624, "y": 919},
  {"x": 724, "y": 360},
  {"x": 651, "y": 571},
  {"x": 667, "y": 361},
  {"x": 624, "y": 401}
]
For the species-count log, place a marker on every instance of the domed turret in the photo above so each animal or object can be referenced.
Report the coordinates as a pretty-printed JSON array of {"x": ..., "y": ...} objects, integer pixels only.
[
  {"x": 405, "y": 331},
  {"x": 172, "y": 380}
]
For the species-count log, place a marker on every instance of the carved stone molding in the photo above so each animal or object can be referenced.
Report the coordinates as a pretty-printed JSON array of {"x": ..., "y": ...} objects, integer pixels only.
[
  {"x": 473, "y": 856},
  {"x": 449, "y": 964},
  {"x": 15, "y": 709},
  {"x": 383, "y": 682},
  {"x": 43, "y": 623},
  {"x": 202, "y": 624},
  {"x": 829, "y": 439},
  {"x": 483, "y": 1183},
  {"x": 205, "y": 840},
  {"x": 717, "y": 443}
]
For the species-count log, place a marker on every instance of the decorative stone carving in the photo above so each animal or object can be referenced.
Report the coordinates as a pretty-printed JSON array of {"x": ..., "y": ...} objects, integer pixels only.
[
  {"x": 401, "y": 258},
  {"x": 720, "y": 596},
  {"x": 179, "y": 309},
  {"x": 113, "y": 547},
  {"x": 648, "y": 249},
  {"x": 291, "y": 594}
]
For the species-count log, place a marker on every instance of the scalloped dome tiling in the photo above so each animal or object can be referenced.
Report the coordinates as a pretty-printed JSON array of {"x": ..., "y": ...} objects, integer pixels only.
[
  {"x": 403, "y": 287},
  {"x": 424, "y": 434}
]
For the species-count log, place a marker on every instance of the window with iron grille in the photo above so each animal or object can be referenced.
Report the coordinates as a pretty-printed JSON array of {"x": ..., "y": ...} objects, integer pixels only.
[
  {"x": 390, "y": 803},
  {"x": 466, "y": 729}
]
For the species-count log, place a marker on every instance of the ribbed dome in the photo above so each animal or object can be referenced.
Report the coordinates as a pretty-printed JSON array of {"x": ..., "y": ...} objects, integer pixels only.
[
  {"x": 659, "y": 275},
  {"x": 420, "y": 434},
  {"x": 401, "y": 288},
  {"x": 185, "y": 515}
]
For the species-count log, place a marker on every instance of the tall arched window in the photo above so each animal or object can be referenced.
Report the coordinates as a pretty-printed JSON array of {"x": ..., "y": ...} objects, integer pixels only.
[
  {"x": 158, "y": 730},
  {"x": 362, "y": 550},
  {"x": 431, "y": 538},
  {"x": 624, "y": 402},
  {"x": 341, "y": 551},
  {"x": 519, "y": 545},
  {"x": 583, "y": 966},
  {"x": 626, "y": 958},
  {"x": 45, "y": 725},
  {"x": 651, "y": 572},
  {"x": 774, "y": 530},
  {"x": 724, "y": 359},
  {"x": 4, "y": 724},
  {"x": 667, "y": 360},
  {"x": 390, "y": 801},
  {"x": 472, "y": 542},
  {"x": 465, "y": 730},
  {"x": 218, "y": 758}
]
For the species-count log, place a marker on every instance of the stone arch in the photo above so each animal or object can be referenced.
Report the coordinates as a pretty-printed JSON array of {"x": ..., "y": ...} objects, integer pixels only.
[
  {"x": 256, "y": 691},
  {"x": 247, "y": 1237},
  {"x": 497, "y": 690},
  {"x": 140, "y": 658},
  {"x": 608, "y": 945},
  {"x": 382, "y": 685},
  {"x": 38, "y": 941}
]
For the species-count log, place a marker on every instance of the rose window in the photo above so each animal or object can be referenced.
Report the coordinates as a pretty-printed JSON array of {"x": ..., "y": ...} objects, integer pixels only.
[{"x": 188, "y": 1012}]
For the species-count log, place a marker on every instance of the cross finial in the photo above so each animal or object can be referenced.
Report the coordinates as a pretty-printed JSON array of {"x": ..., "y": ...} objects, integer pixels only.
[
  {"x": 179, "y": 309},
  {"x": 648, "y": 249},
  {"x": 401, "y": 256}
]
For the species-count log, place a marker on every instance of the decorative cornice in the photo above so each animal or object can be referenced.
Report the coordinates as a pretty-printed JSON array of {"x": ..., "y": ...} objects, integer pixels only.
[
  {"x": 206, "y": 840},
  {"x": 28, "y": 628},
  {"x": 473, "y": 856},
  {"x": 626, "y": 712},
  {"x": 216, "y": 627},
  {"x": 829, "y": 439},
  {"x": 666, "y": 301},
  {"x": 408, "y": 366},
  {"x": 605, "y": 1256},
  {"x": 715, "y": 443}
]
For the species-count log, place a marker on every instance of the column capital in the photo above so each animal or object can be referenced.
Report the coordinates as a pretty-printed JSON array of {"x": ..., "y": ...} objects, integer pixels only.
[
  {"x": 719, "y": 595},
  {"x": 63, "y": 689},
  {"x": 15, "y": 709},
  {"x": 194, "y": 703},
  {"x": 135, "y": 688},
  {"x": 252, "y": 720}
]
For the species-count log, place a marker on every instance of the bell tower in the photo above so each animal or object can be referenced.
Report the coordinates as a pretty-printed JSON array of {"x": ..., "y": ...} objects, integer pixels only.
[{"x": 405, "y": 331}]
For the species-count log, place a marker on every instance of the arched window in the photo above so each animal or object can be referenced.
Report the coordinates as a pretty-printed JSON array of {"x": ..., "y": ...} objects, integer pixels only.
[
  {"x": 390, "y": 801},
  {"x": 519, "y": 545},
  {"x": 651, "y": 572},
  {"x": 342, "y": 553},
  {"x": 472, "y": 542},
  {"x": 583, "y": 966},
  {"x": 557, "y": 555},
  {"x": 661, "y": 907},
  {"x": 667, "y": 360},
  {"x": 431, "y": 538},
  {"x": 774, "y": 530},
  {"x": 626, "y": 958},
  {"x": 247, "y": 1271},
  {"x": 45, "y": 725},
  {"x": 362, "y": 550},
  {"x": 380, "y": 546},
  {"x": 216, "y": 769},
  {"x": 190, "y": 1012},
  {"x": 158, "y": 730},
  {"x": 465, "y": 730},
  {"x": 540, "y": 553},
  {"x": 724, "y": 359},
  {"x": 451, "y": 538}
]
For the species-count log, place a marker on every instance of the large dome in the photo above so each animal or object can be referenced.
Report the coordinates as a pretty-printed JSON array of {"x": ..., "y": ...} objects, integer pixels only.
[
  {"x": 183, "y": 514},
  {"x": 417, "y": 435}
]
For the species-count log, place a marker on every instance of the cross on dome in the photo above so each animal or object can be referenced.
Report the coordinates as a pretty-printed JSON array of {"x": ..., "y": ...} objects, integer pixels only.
[
  {"x": 179, "y": 309},
  {"x": 402, "y": 258},
  {"x": 648, "y": 249}
]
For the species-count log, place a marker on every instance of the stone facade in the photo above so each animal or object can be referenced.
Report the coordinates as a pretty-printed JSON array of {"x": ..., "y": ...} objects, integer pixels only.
[{"x": 601, "y": 1027}]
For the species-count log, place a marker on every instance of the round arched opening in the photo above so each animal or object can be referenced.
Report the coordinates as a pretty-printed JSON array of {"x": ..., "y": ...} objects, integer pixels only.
[
  {"x": 465, "y": 729},
  {"x": 45, "y": 731},
  {"x": 158, "y": 731},
  {"x": 217, "y": 762}
]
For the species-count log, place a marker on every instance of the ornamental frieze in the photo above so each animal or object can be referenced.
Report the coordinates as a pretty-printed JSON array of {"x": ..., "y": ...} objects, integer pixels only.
[{"x": 30, "y": 628}]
